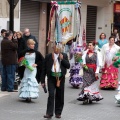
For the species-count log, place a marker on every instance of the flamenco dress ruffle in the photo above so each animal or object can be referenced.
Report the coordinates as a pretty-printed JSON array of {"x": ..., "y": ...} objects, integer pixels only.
[
  {"x": 29, "y": 88},
  {"x": 90, "y": 93},
  {"x": 75, "y": 77},
  {"x": 109, "y": 78},
  {"x": 29, "y": 85}
]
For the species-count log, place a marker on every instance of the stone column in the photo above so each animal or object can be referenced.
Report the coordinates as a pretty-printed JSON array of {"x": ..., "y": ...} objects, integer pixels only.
[{"x": 42, "y": 28}]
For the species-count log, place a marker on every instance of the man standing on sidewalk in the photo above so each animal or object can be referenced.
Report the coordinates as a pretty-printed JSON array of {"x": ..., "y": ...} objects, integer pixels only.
[
  {"x": 9, "y": 61},
  {"x": 27, "y": 35},
  {"x": 55, "y": 66},
  {"x": 3, "y": 31}
]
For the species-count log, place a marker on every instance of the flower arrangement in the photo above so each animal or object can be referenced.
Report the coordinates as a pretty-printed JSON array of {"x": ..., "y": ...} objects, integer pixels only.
[
  {"x": 85, "y": 67},
  {"x": 78, "y": 58},
  {"x": 23, "y": 62}
]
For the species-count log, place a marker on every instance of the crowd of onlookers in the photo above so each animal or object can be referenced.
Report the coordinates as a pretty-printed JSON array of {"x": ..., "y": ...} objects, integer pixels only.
[
  {"x": 33, "y": 68},
  {"x": 95, "y": 57},
  {"x": 11, "y": 45}
]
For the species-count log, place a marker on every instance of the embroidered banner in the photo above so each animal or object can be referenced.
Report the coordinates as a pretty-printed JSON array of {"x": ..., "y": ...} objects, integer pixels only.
[
  {"x": 69, "y": 17},
  {"x": 65, "y": 22}
]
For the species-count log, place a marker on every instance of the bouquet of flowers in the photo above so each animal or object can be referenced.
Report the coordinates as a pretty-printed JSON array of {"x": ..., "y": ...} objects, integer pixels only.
[
  {"x": 78, "y": 58},
  {"x": 23, "y": 62},
  {"x": 116, "y": 60},
  {"x": 85, "y": 67}
]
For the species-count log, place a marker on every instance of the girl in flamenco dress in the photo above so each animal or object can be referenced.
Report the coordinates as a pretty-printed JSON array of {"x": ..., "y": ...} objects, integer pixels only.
[
  {"x": 29, "y": 87},
  {"x": 75, "y": 61},
  {"x": 109, "y": 78},
  {"x": 91, "y": 66}
]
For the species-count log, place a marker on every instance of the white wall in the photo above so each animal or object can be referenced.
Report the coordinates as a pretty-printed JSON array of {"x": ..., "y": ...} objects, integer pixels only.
[
  {"x": 108, "y": 19},
  {"x": 104, "y": 20},
  {"x": 100, "y": 27},
  {"x": 104, "y": 15},
  {"x": 96, "y": 2},
  {"x": 3, "y": 23}
]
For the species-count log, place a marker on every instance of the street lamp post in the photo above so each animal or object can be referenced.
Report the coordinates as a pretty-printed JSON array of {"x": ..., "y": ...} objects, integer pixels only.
[
  {"x": 11, "y": 23},
  {"x": 12, "y": 3}
]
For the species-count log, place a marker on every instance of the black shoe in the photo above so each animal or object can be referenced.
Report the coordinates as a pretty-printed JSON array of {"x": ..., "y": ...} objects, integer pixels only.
[
  {"x": 85, "y": 101},
  {"x": 101, "y": 98},
  {"x": 80, "y": 99},
  {"x": 12, "y": 91},
  {"x": 28, "y": 99},
  {"x": 3, "y": 90},
  {"x": 58, "y": 116},
  {"x": 90, "y": 101},
  {"x": 47, "y": 116},
  {"x": 76, "y": 86}
]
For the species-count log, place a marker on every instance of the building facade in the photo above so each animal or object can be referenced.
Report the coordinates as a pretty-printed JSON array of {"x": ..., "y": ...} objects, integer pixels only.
[
  {"x": 97, "y": 17},
  {"x": 4, "y": 15}
]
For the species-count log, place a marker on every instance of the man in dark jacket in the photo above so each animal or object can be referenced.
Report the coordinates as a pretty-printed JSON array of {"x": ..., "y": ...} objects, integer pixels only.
[
  {"x": 3, "y": 31},
  {"x": 9, "y": 61},
  {"x": 55, "y": 67},
  {"x": 27, "y": 35}
]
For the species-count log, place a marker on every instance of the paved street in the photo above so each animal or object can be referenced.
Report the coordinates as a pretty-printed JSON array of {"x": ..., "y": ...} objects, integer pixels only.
[{"x": 12, "y": 108}]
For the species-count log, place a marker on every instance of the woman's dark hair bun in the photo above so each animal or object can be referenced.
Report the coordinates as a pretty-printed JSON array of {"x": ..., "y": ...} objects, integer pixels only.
[{"x": 94, "y": 42}]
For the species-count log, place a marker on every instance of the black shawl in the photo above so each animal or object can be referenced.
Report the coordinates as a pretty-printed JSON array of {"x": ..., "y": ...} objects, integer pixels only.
[{"x": 38, "y": 60}]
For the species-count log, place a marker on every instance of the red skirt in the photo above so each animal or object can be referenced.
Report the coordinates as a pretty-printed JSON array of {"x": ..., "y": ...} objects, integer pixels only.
[{"x": 109, "y": 78}]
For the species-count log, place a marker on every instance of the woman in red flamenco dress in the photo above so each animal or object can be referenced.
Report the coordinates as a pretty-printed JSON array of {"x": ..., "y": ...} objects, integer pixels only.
[{"x": 109, "y": 78}]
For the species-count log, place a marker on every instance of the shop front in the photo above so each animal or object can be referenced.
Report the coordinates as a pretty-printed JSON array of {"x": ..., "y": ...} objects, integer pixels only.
[
  {"x": 116, "y": 11},
  {"x": 97, "y": 17}
]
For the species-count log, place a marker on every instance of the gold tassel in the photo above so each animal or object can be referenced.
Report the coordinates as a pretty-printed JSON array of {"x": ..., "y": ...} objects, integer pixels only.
[{"x": 58, "y": 83}]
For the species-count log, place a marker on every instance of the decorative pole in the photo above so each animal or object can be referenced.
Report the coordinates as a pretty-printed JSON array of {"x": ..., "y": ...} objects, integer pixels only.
[
  {"x": 11, "y": 24},
  {"x": 13, "y": 4}
]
